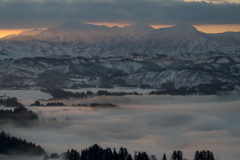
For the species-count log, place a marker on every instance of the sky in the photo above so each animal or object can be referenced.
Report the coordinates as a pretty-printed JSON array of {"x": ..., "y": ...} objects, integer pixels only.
[
  {"x": 16, "y": 15},
  {"x": 155, "y": 124}
]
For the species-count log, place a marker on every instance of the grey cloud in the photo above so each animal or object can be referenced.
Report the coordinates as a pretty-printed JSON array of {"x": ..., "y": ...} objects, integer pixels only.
[{"x": 25, "y": 14}]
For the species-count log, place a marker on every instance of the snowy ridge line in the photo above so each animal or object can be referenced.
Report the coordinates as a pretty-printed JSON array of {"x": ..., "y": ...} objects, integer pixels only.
[
  {"x": 165, "y": 75},
  {"x": 73, "y": 39}
]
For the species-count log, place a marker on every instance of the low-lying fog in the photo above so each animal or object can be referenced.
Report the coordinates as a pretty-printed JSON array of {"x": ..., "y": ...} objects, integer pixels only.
[{"x": 155, "y": 124}]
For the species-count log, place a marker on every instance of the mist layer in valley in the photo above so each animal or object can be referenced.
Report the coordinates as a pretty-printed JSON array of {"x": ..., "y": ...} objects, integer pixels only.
[{"x": 155, "y": 124}]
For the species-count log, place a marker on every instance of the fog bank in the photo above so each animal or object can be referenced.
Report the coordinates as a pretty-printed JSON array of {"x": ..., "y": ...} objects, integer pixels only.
[{"x": 155, "y": 124}]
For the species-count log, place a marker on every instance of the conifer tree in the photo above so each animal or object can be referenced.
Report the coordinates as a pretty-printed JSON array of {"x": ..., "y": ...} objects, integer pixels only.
[
  {"x": 179, "y": 155},
  {"x": 204, "y": 155},
  {"x": 174, "y": 155},
  {"x": 196, "y": 155},
  {"x": 164, "y": 157}
]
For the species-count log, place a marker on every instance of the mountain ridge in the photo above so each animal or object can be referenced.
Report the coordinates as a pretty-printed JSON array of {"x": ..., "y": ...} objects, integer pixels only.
[
  {"x": 173, "y": 60},
  {"x": 168, "y": 76},
  {"x": 77, "y": 26},
  {"x": 103, "y": 41}
]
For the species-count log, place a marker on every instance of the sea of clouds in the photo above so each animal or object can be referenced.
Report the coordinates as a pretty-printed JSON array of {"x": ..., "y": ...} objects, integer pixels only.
[{"x": 155, "y": 124}]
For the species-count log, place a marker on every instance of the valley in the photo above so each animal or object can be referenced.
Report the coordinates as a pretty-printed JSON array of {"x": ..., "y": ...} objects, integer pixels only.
[
  {"x": 153, "y": 90},
  {"x": 173, "y": 60}
]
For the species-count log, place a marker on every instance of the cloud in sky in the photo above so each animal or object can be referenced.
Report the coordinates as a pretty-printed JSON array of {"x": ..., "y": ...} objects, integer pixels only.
[
  {"x": 42, "y": 13},
  {"x": 156, "y": 124}
]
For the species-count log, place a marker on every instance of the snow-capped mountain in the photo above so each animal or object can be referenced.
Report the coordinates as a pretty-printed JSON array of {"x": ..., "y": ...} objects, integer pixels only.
[
  {"x": 79, "y": 26},
  {"x": 33, "y": 32},
  {"x": 23, "y": 36},
  {"x": 227, "y": 37},
  {"x": 75, "y": 54},
  {"x": 71, "y": 31},
  {"x": 74, "y": 31},
  {"x": 138, "y": 30},
  {"x": 8, "y": 37},
  {"x": 184, "y": 38},
  {"x": 87, "y": 40}
]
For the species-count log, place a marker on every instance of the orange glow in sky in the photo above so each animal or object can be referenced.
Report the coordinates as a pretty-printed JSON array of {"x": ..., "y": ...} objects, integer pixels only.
[
  {"x": 213, "y": 28},
  {"x": 218, "y": 28},
  {"x": 203, "y": 28},
  {"x": 124, "y": 24},
  {"x": 7, "y": 32}
]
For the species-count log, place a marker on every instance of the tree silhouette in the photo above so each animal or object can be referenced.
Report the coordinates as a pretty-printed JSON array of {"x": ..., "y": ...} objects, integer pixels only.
[
  {"x": 164, "y": 157},
  {"x": 177, "y": 155},
  {"x": 204, "y": 155},
  {"x": 13, "y": 145}
]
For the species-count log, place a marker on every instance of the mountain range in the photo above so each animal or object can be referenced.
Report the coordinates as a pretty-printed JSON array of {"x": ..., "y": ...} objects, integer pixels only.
[
  {"x": 77, "y": 54},
  {"x": 87, "y": 40}
]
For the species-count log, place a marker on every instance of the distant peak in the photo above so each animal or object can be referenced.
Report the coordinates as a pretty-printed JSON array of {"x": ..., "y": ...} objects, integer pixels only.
[
  {"x": 72, "y": 25},
  {"x": 36, "y": 29},
  {"x": 140, "y": 26},
  {"x": 78, "y": 25},
  {"x": 185, "y": 26}
]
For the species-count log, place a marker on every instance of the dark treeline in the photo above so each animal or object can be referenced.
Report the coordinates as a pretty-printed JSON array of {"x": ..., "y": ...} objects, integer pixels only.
[
  {"x": 97, "y": 105},
  {"x": 58, "y": 93},
  {"x": 38, "y": 104},
  {"x": 13, "y": 146},
  {"x": 55, "y": 104},
  {"x": 102, "y": 105},
  {"x": 204, "y": 155},
  {"x": 177, "y": 155},
  {"x": 173, "y": 92},
  {"x": 19, "y": 115},
  {"x": 106, "y": 93},
  {"x": 10, "y": 102},
  {"x": 10, "y": 145},
  {"x": 95, "y": 152}
]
